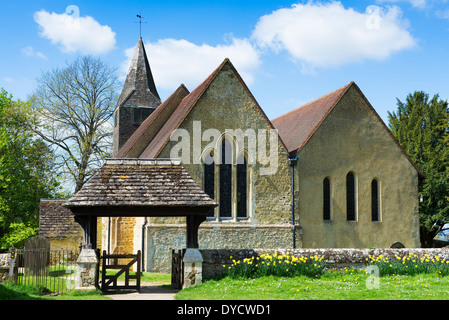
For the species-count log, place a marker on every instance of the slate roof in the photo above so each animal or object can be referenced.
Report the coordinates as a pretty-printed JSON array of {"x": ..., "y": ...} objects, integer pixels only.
[
  {"x": 56, "y": 221},
  {"x": 139, "y": 89},
  {"x": 140, "y": 183}
]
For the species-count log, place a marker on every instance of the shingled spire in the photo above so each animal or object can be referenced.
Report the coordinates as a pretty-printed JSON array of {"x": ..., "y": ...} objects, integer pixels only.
[
  {"x": 139, "y": 98},
  {"x": 139, "y": 89}
]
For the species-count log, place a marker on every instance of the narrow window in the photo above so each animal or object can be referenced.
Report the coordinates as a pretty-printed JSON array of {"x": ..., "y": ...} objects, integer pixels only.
[
  {"x": 326, "y": 199},
  {"x": 375, "y": 201},
  {"x": 226, "y": 180},
  {"x": 209, "y": 179},
  {"x": 140, "y": 114},
  {"x": 241, "y": 187},
  {"x": 350, "y": 197},
  {"x": 137, "y": 113}
]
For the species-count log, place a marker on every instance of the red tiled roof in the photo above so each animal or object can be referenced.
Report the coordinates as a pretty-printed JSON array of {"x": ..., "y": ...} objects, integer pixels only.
[{"x": 297, "y": 126}]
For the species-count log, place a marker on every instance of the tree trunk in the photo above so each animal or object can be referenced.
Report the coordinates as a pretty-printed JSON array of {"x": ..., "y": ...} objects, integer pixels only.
[{"x": 426, "y": 237}]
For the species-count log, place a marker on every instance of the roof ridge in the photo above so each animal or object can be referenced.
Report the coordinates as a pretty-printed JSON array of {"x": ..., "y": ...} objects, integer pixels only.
[
  {"x": 317, "y": 99},
  {"x": 142, "y": 161},
  {"x": 191, "y": 100},
  {"x": 287, "y": 124}
]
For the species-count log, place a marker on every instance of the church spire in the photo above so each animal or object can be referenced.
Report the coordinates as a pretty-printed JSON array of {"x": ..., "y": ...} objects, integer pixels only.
[
  {"x": 139, "y": 98},
  {"x": 139, "y": 89}
]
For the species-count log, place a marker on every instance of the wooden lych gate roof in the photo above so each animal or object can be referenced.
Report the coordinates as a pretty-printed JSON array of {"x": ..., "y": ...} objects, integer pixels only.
[{"x": 140, "y": 187}]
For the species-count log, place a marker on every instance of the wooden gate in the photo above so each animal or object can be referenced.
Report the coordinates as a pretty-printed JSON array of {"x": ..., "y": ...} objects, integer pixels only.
[
  {"x": 177, "y": 269},
  {"x": 115, "y": 261}
]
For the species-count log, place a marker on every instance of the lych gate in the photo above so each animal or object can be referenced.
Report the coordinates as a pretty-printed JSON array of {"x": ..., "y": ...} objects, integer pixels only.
[
  {"x": 141, "y": 188},
  {"x": 109, "y": 261}
]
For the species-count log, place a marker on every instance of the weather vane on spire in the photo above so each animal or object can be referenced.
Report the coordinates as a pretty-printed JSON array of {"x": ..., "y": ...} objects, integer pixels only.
[{"x": 140, "y": 22}]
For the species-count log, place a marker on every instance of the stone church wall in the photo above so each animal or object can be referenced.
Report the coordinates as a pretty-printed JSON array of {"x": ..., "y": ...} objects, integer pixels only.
[
  {"x": 228, "y": 105},
  {"x": 161, "y": 239},
  {"x": 353, "y": 139}
]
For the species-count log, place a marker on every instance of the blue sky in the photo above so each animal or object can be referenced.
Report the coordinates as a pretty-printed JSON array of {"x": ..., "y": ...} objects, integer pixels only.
[{"x": 288, "y": 52}]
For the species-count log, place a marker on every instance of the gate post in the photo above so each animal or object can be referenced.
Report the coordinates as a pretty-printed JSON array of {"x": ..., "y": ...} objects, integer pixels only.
[
  {"x": 86, "y": 274},
  {"x": 193, "y": 267}
]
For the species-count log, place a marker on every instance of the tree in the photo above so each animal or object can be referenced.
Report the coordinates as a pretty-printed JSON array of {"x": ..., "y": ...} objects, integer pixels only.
[
  {"x": 72, "y": 108},
  {"x": 26, "y": 173},
  {"x": 421, "y": 127}
]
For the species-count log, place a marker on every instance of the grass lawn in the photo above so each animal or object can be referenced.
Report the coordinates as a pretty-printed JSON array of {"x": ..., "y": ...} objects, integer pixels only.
[
  {"x": 13, "y": 291},
  {"x": 344, "y": 285},
  {"x": 347, "y": 284}
]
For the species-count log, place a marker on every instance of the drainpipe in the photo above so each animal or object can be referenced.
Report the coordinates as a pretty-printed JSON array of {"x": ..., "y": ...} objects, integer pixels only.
[
  {"x": 292, "y": 162},
  {"x": 109, "y": 235},
  {"x": 143, "y": 244}
]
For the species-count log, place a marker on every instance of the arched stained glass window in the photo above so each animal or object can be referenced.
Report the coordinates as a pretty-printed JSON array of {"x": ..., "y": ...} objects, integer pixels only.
[
  {"x": 326, "y": 199},
  {"x": 351, "y": 203}
]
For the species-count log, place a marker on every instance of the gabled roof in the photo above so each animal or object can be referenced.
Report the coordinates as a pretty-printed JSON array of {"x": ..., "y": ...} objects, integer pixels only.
[
  {"x": 140, "y": 139},
  {"x": 140, "y": 183},
  {"x": 139, "y": 89},
  {"x": 56, "y": 222},
  {"x": 298, "y": 126},
  {"x": 163, "y": 137},
  {"x": 181, "y": 112}
]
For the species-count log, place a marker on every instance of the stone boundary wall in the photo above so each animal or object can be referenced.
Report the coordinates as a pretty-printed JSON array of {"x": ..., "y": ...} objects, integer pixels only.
[
  {"x": 213, "y": 260},
  {"x": 5, "y": 259}
]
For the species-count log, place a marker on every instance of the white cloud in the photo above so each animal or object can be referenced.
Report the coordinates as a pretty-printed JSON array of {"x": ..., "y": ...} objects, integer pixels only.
[
  {"x": 30, "y": 52},
  {"x": 415, "y": 3},
  {"x": 442, "y": 14},
  {"x": 74, "y": 33},
  {"x": 179, "y": 61},
  {"x": 326, "y": 35}
]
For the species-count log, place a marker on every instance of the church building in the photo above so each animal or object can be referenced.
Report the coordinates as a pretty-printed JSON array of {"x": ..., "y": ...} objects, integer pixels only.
[{"x": 328, "y": 174}]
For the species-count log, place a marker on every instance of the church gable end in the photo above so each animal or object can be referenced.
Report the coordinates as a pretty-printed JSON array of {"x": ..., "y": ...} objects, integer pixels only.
[
  {"x": 352, "y": 141},
  {"x": 222, "y": 106},
  {"x": 222, "y": 101}
]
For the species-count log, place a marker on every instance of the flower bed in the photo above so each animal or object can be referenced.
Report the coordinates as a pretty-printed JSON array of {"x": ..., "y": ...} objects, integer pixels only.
[
  {"x": 214, "y": 259},
  {"x": 283, "y": 265},
  {"x": 313, "y": 266},
  {"x": 409, "y": 264}
]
